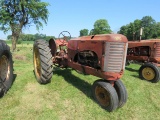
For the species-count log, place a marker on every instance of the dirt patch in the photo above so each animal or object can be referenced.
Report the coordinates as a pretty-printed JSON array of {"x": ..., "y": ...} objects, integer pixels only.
[{"x": 19, "y": 57}]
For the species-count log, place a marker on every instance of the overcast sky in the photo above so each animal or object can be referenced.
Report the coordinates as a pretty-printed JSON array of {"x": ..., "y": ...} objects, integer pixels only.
[{"x": 74, "y": 15}]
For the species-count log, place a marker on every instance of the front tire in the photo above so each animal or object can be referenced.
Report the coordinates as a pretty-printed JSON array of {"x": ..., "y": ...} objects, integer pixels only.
[
  {"x": 42, "y": 60},
  {"x": 6, "y": 68},
  {"x": 149, "y": 72},
  {"x": 105, "y": 94},
  {"x": 122, "y": 92}
]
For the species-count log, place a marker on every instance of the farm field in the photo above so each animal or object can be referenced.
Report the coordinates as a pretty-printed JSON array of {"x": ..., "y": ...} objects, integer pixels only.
[{"x": 69, "y": 97}]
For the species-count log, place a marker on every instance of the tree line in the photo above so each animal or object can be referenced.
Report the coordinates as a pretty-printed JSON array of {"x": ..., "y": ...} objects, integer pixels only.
[
  {"x": 31, "y": 37},
  {"x": 151, "y": 29}
]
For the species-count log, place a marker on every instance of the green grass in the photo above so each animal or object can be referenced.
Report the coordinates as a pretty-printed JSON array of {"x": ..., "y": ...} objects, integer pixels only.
[{"x": 69, "y": 97}]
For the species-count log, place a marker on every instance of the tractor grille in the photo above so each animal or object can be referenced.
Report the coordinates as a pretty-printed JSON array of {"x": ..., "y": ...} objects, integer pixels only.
[
  {"x": 115, "y": 56},
  {"x": 157, "y": 53}
]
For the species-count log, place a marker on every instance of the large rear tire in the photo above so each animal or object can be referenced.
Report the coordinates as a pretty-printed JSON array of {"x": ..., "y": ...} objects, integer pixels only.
[
  {"x": 6, "y": 68},
  {"x": 105, "y": 94},
  {"x": 149, "y": 72},
  {"x": 42, "y": 60}
]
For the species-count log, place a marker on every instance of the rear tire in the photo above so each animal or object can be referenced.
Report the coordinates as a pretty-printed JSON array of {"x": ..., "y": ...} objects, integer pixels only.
[
  {"x": 6, "y": 68},
  {"x": 105, "y": 94},
  {"x": 42, "y": 60},
  {"x": 149, "y": 72}
]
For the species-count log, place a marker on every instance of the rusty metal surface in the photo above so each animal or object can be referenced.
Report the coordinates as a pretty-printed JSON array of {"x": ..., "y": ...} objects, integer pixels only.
[
  {"x": 61, "y": 42},
  {"x": 89, "y": 55},
  {"x": 143, "y": 43},
  {"x": 72, "y": 44},
  {"x": 144, "y": 50},
  {"x": 98, "y": 73}
]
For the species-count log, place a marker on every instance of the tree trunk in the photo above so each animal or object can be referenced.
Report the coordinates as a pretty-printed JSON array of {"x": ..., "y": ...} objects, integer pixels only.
[{"x": 14, "y": 42}]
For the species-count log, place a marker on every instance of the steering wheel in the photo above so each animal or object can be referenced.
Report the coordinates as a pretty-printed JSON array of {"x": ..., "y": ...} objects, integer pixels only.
[{"x": 63, "y": 37}]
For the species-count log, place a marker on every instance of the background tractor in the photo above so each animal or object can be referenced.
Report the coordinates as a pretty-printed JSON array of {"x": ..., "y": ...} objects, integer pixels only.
[
  {"x": 146, "y": 52},
  {"x": 103, "y": 56},
  {"x": 6, "y": 68}
]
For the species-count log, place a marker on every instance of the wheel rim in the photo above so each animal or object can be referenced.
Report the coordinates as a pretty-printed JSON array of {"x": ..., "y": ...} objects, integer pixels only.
[
  {"x": 37, "y": 63},
  {"x": 4, "y": 68},
  {"x": 148, "y": 73},
  {"x": 102, "y": 96}
]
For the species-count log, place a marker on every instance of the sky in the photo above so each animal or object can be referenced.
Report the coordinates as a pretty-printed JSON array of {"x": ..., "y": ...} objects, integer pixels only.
[{"x": 75, "y": 15}]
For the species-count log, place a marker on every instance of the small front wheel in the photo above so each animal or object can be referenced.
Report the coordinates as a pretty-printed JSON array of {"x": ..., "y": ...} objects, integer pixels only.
[
  {"x": 105, "y": 94},
  {"x": 149, "y": 72}
]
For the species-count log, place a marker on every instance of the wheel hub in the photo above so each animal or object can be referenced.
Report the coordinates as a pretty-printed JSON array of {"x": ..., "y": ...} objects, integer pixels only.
[
  {"x": 102, "y": 96},
  {"x": 148, "y": 73}
]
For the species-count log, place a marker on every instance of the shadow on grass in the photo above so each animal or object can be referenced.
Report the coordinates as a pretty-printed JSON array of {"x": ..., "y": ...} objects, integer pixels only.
[
  {"x": 136, "y": 76},
  {"x": 77, "y": 82},
  {"x": 131, "y": 69},
  {"x": 14, "y": 77}
]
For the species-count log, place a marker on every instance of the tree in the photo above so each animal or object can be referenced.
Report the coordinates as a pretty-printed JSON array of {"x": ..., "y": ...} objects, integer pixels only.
[
  {"x": 148, "y": 23},
  {"x": 84, "y": 32},
  {"x": 131, "y": 31},
  {"x": 18, "y": 14},
  {"x": 158, "y": 29},
  {"x": 101, "y": 26},
  {"x": 123, "y": 30},
  {"x": 9, "y": 37},
  {"x": 137, "y": 26},
  {"x": 151, "y": 29},
  {"x": 128, "y": 30}
]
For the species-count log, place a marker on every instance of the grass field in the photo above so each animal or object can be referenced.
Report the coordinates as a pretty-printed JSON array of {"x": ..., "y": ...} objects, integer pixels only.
[{"x": 69, "y": 97}]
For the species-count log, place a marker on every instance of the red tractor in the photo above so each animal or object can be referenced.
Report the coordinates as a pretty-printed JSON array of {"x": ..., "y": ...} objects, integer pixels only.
[
  {"x": 103, "y": 56},
  {"x": 146, "y": 52}
]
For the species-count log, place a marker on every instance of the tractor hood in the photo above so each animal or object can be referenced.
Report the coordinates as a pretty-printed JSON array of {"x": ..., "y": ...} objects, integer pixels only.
[
  {"x": 149, "y": 42},
  {"x": 73, "y": 43},
  {"x": 103, "y": 37}
]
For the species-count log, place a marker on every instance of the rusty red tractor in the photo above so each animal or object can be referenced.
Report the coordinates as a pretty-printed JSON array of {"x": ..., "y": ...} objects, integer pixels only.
[
  {"x": 103, "y": 56},
  {"x": 6, "y": 68},
  {"x": 146, "y": 52}
]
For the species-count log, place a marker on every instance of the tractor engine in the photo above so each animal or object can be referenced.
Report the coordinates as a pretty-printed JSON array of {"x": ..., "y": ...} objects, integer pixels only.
[
  {"x": 139, "y": 51},
  {"x": 88, "y": 58}
]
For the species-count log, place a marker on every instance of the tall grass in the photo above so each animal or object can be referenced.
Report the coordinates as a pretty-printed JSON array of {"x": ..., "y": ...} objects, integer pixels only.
[{"x": 69, "y": 97}]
